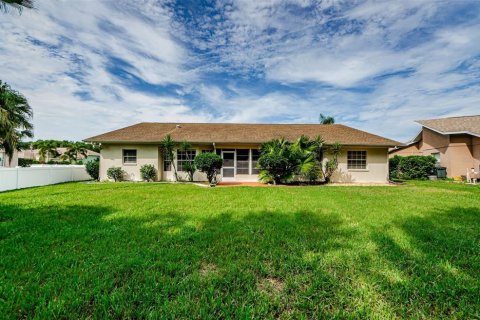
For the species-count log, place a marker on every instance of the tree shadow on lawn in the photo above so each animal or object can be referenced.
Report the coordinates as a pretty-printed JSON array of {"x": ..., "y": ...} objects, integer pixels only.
[
  {"x": 90, "y": 261},
  {"x": 434, "y": 263}
]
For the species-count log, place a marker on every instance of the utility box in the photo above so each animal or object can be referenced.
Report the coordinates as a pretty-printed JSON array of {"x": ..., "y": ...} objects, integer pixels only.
[{"x": 441, "y": 172}]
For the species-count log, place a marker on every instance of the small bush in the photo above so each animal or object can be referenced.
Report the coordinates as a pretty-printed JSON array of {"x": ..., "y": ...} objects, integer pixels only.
[
  {"x": 93, "y": 168},
  {"x": 412, "y": 167},
  {"x": 313, "y": 173},
  {"x": 148, "y": 172},
  {"x": 275, "y": 167},
  {"x": 115, "y": 173},
  {"x": 22, "y": 162},
  {"x": 209, "y": 163}
]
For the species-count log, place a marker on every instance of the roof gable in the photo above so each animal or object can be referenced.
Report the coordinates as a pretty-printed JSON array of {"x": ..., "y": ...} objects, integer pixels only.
[{"x": 454, "y": 125}]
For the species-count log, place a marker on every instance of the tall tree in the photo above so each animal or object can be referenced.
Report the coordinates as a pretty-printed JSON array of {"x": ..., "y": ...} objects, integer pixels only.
[
  {"x": 46, "y": 148},
  {"x": 16, "y": 4},
  {"x": 189, "y": 165},
  {"x": 167, "y": 147},
  {"x": 75, "y": 149},
  {"x": 326, "y": 119},
  {"x": 15, "y": 119}
]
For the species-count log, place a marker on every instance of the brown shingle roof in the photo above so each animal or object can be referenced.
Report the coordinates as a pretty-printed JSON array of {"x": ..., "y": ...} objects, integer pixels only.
[
  {"x": 467, "y": 124},
  {"x": 149, "y": 132}
]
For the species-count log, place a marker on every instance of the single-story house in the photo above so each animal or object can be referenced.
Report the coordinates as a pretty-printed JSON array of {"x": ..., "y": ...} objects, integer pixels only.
[
  {"x": 4, "y": 161},
  {"x": 455, "y": 142},
  {"x": 364, "y": 155}
]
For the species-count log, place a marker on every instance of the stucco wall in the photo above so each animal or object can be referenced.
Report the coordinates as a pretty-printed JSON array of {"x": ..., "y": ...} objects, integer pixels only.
[
  {"x": 376, "y": 171},
  {"x": 459, "y": 157},
  {"x": 434, "y": 142},
  {"x": 476, "y": 152},
  {"x": 112, "y": 156},
  {"x": 407, "y": 151}
]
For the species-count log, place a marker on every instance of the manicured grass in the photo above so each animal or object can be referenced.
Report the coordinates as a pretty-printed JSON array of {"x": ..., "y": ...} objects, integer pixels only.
[{"x": 180, "y": 251}]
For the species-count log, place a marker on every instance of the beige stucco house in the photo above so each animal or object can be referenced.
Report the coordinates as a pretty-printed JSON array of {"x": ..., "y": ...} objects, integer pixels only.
[
  {"x": 455, "y": 142},
  {"x": 364, "y": 156},
  {"x": 4, "y": 160}
]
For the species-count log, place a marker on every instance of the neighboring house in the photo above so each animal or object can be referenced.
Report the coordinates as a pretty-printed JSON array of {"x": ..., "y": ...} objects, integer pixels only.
[
  {"x": 4, "y": 160},
  {"x": 34, "y": 154},
  {"x": 455, "y": 142},
  {"x": 364, "y": 156}
]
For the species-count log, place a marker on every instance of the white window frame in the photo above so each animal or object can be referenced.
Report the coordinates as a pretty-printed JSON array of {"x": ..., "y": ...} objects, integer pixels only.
[
  {"x": 357, "y": 159},
  {"x": 251, "y": 162},
  {"x": 129, "y": 163},
  {"x": 184, "y": 160}
]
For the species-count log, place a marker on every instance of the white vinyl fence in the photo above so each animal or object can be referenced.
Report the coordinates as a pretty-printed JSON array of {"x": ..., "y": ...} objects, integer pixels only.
[{"x": 42, "y": 175}]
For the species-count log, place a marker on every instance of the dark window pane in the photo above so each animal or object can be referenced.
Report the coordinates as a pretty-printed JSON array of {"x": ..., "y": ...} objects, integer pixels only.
[
  {"x": 130, "y": 156},
  {"x": 183, "y": 157},
  {"x": 243, "y": 161},
  {"x": 228, "y": 172},
  {"x": 167, "y": 165},
  {"x": 228, "y": 159}
]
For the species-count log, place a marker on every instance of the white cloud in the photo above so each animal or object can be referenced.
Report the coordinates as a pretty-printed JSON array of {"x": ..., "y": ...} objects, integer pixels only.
[
  {"x": 332, "y": 56},
  {"x": 62, "y": 49}
]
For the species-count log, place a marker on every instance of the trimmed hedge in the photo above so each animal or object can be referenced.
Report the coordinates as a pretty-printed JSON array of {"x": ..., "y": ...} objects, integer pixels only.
[{"x": 412, "y": 167}]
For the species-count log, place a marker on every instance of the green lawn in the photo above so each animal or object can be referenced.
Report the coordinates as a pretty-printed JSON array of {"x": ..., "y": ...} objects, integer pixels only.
[{"x": 127, "y": 250}]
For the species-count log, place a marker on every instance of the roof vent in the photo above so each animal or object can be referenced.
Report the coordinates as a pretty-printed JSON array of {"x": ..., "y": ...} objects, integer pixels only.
[{"x": 179, "y": 126}]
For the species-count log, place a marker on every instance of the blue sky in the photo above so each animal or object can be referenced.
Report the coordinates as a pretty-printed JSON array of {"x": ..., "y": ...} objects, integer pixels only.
[{"x": 92, "y": 66}]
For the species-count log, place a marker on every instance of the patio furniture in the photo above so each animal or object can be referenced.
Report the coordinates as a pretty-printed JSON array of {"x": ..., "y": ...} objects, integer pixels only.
[{"x": 473, "y": 176}]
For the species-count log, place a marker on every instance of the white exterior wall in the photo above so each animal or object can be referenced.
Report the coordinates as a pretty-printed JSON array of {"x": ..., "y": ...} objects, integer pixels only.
[
  {"x": 17, "y": 178},
  {"x": 112, "y": 156},
  {"x": 376, "y": 171}
]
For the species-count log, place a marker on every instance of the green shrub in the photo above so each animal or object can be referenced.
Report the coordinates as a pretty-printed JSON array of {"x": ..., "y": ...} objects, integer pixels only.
[
  {"x": 148, "y": 172},
  {"x": 93, "y": 168},
  {"x": 414, "y": 167},
  {"x": 313, "y": 173},
  {"x": 393, "y": 166},
  {"x": 210, "y": 163},
  {"x": 115, "y": 173},
  {"x": 22, "y": 162},
  {"x": 275, "y": 167}
]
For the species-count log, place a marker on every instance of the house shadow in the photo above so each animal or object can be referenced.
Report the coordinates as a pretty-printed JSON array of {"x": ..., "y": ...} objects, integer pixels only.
[
  {"x": 94, "y": 261},
  {"x": 433, "y": 262},
  {"x": 91, "y": 261}
]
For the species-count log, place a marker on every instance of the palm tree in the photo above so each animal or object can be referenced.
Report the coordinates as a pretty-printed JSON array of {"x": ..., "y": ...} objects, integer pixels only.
[
  {"x": 189, "y": 165},
  {"x": 75, "y": 149},
  {"x": 308, "y": 154},
  {"x": 167, "y": 147},
  {"x": 15, "y": 117},
  {"x": 326, "y": 119},
  {"x": 332, "y": 164},
  {"x": 277, "y": 161},
  {"x": 17, "y": 4},
  {"x": 46, "y": 148}
]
